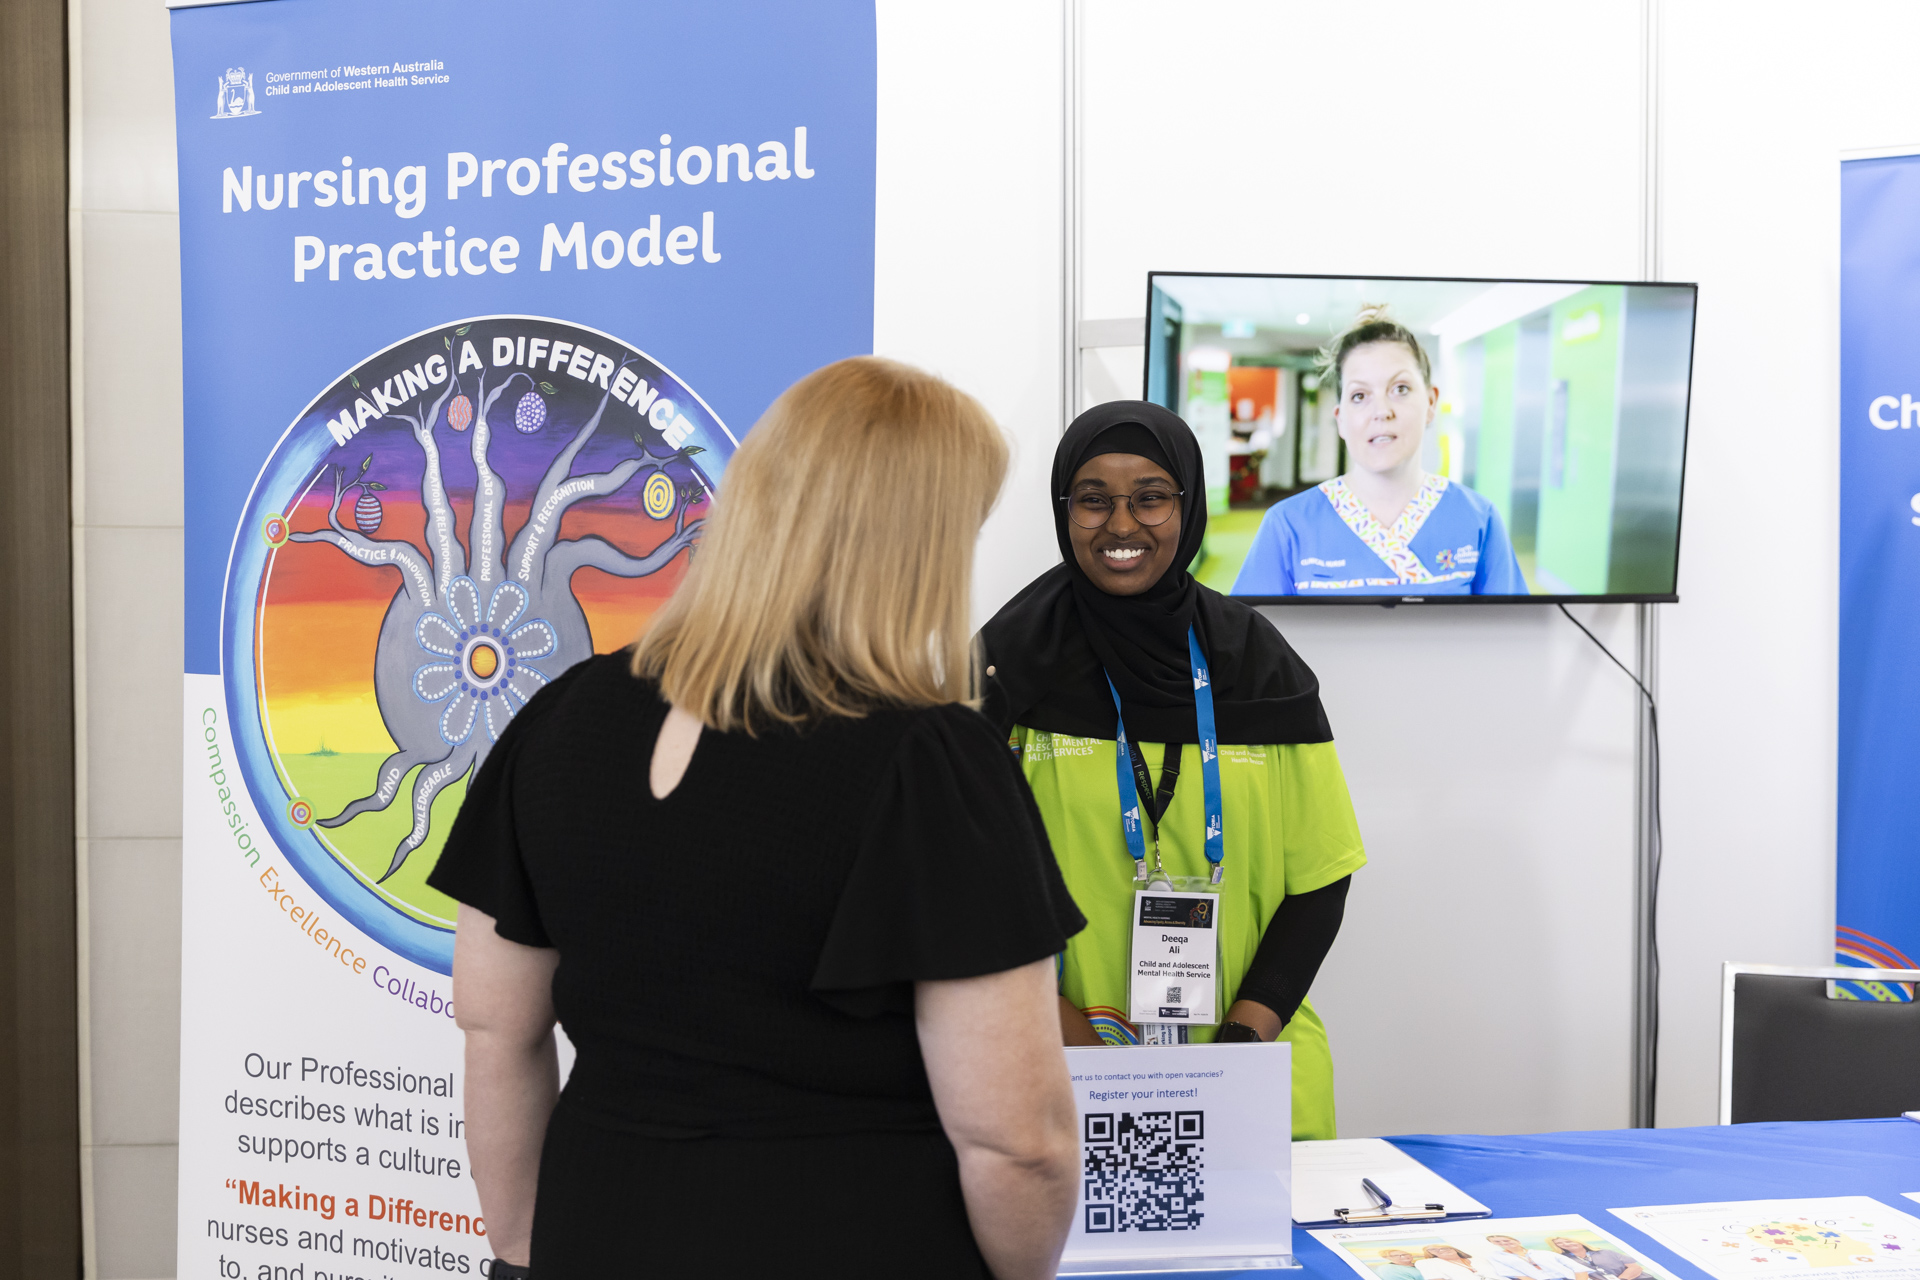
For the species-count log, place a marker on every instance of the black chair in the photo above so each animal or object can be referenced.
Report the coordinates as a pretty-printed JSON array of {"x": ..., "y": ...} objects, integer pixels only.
[{"x": 1789, "y": 1052}]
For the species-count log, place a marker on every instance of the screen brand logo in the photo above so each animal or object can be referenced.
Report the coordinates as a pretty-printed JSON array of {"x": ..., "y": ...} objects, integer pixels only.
[{"x": 235, "y": 95}]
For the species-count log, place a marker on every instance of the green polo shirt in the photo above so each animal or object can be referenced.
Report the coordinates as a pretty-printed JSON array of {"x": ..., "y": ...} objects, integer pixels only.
[{"x": 1289, "y": 828}]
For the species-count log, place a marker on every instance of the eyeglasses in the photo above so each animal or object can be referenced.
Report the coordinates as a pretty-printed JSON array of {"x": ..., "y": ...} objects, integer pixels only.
[{"x": 1090, "y": 508}]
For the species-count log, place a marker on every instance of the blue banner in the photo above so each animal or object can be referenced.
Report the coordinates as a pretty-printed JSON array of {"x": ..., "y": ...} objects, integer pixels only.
[
  {"x": 1878, "y": 899},
  {"x": 478, "y": 299}
]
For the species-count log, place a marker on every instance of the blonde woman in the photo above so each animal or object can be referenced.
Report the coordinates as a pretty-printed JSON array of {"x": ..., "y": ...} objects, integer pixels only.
[
  {"x": 1444, "y": 1262},
  {"x": 1513, "y": 1259},
  {"x": 785, "y": 891},
  {"x": 1596, "y": 1264}
]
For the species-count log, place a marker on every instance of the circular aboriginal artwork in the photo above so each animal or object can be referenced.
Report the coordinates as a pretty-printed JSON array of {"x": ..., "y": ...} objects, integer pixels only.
[{"x": 420, "y": 574}]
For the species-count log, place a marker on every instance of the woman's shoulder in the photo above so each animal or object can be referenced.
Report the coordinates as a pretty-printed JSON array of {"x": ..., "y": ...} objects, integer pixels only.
[
  {"x": 593, "y": 687},
  {"x": 1473, "y": 500},
  {"x": 950, "y": 727},
  {"x": 1308, "y": 500}
]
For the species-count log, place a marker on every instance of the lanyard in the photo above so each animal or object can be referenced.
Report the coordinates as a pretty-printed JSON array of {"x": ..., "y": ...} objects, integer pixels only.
[{"x": 1216, "y": 845}]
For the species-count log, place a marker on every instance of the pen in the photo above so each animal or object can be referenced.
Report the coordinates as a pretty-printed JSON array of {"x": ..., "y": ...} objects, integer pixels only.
[{"x": 1380, "y": 1198}]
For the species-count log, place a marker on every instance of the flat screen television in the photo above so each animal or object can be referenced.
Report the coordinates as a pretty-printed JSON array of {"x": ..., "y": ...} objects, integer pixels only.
[{"x": 1531, "y": 449}]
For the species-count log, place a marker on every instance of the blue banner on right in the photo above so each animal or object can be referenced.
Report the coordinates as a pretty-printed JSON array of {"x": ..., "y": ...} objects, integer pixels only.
[{"x": 1878, "y": 901}]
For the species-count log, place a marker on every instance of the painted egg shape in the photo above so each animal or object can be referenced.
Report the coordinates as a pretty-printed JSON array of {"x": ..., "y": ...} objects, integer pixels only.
[
  {"x": 460, "y": 413},
  {"x": 367, "y": 513},
  {"x": 531, "y": 413}
]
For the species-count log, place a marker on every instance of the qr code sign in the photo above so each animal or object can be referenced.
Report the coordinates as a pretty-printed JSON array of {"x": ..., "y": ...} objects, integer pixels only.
[{"x": 1144, "y": 1171}]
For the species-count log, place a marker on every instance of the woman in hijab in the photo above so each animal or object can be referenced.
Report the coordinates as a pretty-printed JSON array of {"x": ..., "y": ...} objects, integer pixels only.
[{"x": 1121, "y": 638}]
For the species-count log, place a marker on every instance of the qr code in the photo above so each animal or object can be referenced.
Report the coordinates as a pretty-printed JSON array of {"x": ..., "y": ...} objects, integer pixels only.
[
  {"x": 1144, "y": 1171},
  {"x": 1174, "y": 993}
]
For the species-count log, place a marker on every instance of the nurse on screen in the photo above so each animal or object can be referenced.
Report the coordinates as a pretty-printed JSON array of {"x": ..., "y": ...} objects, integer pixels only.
[{"x": 1386, "y": 527}]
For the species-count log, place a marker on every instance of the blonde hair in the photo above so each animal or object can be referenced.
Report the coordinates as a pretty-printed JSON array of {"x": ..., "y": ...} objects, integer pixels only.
[{"x": 835, "y": 573}]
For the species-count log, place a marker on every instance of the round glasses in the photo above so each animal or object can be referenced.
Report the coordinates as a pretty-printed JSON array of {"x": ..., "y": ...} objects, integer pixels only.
[{"x": 1151, "y": 506}]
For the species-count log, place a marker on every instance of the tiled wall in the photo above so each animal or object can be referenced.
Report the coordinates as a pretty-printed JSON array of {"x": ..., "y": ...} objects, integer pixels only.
[{"x": 127, "y": 546}]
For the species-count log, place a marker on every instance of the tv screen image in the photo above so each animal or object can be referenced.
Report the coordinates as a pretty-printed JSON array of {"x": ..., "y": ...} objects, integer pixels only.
[{"x": 1542, "y": 459}]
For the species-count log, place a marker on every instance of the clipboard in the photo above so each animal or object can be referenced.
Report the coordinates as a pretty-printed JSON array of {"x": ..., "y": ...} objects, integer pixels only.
[{"x": 1328, "y": 1189}]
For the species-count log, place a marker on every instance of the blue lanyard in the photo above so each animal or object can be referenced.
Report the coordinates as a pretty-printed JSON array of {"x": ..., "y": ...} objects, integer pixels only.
[{"x": 1209, "y": 770}]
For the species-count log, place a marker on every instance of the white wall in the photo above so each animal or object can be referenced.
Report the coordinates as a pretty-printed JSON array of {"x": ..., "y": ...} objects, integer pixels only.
[
  {"x": 1490, "y": 751},
  {"x": 967, "y": 240}
]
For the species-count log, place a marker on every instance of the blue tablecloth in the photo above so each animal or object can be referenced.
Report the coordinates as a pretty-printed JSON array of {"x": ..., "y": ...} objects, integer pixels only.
[{"x": 1591, "y": 1172}]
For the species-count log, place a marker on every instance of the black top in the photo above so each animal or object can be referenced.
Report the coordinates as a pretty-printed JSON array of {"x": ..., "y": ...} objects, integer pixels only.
[{"x": 736, "y": 960}]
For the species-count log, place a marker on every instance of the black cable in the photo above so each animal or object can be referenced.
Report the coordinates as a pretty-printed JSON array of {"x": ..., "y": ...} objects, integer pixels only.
[{"x": 1653, "y": 892}]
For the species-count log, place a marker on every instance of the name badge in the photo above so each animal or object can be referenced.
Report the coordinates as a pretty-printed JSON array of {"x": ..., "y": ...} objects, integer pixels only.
[{"x": 1176, "y": 957}]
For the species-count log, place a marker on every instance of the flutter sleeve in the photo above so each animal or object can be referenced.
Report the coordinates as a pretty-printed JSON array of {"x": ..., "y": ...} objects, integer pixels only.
[
  {"x": 482, "y": 865},
  {"x": 953, "y": 876}
]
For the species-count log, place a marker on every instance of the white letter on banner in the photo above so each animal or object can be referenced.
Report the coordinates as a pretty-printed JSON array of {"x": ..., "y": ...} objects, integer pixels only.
[
  {"x": 302, "y": 263},
  {"x": 800, "y": 153},
  {"x": 662, "y": 415},
  {"x": 240, "y": 187},
  {"x": 706, "y": 165},
  {"x": 410, "y": 185},
  {"x": 462, "y": 168},
  {"x": 1873, "y": 412},
  {"x": 616, "y": 249},
  {"x": 739, "y": 150},
  {"x": 342, "y": 428},
  {"x": 502, "y": 351},
  {"x": 680, "y": 242},
  {"x": 1908, "y": 408},
  {"x": 772, "y": 162},
  {"x": 574, "y": 243},
  {"x": 503, "y": 253},
  {"x": 707, "y": 252}
]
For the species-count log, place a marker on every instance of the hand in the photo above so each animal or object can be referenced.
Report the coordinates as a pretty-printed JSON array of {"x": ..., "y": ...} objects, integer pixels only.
[
  {"x": 1251, "y": 1013},
  {"x": 1074, "y": 1028}
]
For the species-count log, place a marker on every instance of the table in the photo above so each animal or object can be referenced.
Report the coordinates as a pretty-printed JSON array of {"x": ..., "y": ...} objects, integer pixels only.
[{"x": 1590, "y": 1172}]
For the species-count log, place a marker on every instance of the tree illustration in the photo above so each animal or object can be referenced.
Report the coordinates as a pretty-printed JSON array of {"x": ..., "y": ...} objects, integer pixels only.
[{"x": 464, "y": 645}]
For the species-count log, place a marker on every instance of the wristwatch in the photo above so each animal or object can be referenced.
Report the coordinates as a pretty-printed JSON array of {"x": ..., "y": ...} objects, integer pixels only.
[
  {"x": 1236, "y": 1033},
  {"x": 504, "y": 1270}
]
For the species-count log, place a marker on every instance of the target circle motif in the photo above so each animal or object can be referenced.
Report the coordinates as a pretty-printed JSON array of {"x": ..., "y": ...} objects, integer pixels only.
[
  {"x": 274, "y": 530},
  {"x": 658, "y": 496},
  {"x": 300, "y": 811}
]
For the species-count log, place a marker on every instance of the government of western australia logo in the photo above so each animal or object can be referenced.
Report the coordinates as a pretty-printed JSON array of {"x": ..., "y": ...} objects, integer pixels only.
[
  {"x": 410, "y": 573},
  {"x": 236, "y": 95}
]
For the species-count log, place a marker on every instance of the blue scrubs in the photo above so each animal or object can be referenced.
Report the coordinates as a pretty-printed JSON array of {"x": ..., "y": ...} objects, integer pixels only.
[{"x": 1449, "y": 541}]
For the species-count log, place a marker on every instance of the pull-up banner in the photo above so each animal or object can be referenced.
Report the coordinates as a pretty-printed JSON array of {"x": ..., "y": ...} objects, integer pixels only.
[
  {"x": 478, "y": 299},
  {"x": 1878, "y": 899}
]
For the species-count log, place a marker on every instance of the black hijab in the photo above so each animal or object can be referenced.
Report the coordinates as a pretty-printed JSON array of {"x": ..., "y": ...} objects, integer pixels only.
[{"x": 1053, "y": 646}]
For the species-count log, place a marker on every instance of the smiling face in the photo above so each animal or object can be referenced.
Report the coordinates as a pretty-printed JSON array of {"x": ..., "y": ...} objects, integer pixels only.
[
  {"x": 1446, "y": 1253},
  {"x": 1506, "y": 1242},
  {"x": 1385, "y": 406},
  {"x": 1399, "y": 1257},
  {"x": 1123, "y": 557}
]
